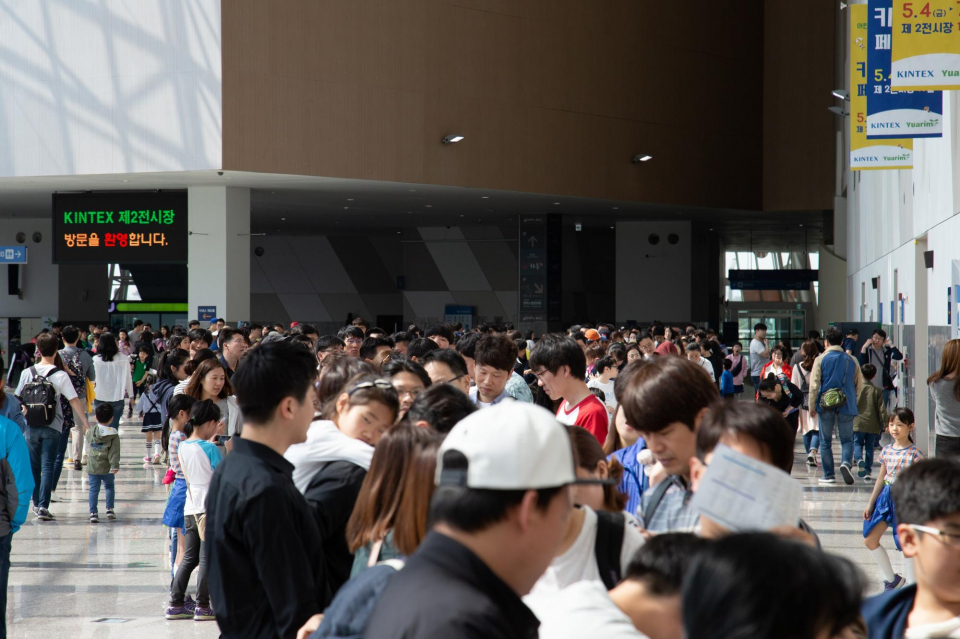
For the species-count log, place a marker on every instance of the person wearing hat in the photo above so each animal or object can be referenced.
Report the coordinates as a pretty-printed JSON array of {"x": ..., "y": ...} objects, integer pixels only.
[
  {"x": 592, "y": 335},
  {"x": 502, "y": 500}
]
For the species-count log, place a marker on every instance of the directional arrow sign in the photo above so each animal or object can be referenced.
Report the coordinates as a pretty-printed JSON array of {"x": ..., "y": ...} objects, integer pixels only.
[
  {"x": 532, "y": 241},
  {"x": 13, "y": 254}
]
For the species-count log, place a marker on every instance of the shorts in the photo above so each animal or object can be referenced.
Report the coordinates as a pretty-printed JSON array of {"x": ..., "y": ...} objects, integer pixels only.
[
  {"x": 883, "y": 511},
  {"x": 738, "y": 389},
  {"x": 173, "y": 513},
  {"x": 151, "y": 423}
]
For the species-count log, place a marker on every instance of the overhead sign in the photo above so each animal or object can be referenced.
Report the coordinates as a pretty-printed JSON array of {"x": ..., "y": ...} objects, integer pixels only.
[
  {"x": 773, "y": 280},
  {"x": 895, "y": 114},
  {"x": 13, "y": 254},
  {"x": 868, "y": 154},
  {"x": 926, "y": 45},
  {"x": 132, "y": 227},
  {"x": 463, "y": 314},
  {"x": 533, "y": 266},
  {"x": 206, "y": 313}
]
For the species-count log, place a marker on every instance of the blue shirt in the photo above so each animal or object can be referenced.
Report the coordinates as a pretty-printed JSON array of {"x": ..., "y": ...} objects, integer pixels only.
[
  {"x": 634, "y": 481},
  {"x": 726, "y": 383}
]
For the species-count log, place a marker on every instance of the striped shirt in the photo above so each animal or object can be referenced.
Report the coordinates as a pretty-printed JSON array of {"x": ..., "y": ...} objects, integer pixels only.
[
  {"x": 176, "y": 437},
  {"x": 674, "y": 514}
]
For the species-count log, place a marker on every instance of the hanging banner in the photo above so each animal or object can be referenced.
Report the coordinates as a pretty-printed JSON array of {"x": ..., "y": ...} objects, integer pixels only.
[
  {"x": 895, "y": 114},
  {"x": 926, "y": 45},
  {"x": 866, "y": 154}
]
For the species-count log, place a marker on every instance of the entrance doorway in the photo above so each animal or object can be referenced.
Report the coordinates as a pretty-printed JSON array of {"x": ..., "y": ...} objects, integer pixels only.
[{"x": 789, "y": 325}]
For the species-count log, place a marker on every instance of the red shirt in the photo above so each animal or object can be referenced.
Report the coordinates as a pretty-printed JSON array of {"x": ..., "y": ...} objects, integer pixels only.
[
  {"x": 667, "y": 348},
  {"x": 589, "y": 413}
]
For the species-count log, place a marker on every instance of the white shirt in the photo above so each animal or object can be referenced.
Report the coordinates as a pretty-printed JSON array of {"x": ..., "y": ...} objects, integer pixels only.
[
  {"x": 610, "y": 399},
  {"x": 199, "y": 459},
  {"x": 706, "y": 365},
  {"x": 757, "y": 360},
  {"x": 945, "y": 629},
  {"x": 579, "y": 563},
  {"x": 61, "y": 383},
  {"x": 114, "y": 378},
  {"x": 583, "y": 609}
]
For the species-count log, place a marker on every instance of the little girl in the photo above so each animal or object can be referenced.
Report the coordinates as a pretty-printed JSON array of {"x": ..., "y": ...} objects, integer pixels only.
[
  {"x": 879, "y": 514},
  {"x": 178, "y": 414}
]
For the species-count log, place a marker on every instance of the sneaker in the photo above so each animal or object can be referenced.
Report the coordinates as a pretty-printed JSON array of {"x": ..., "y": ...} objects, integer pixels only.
[
  {"x": 111, "y": 514},
  {"x": 811, "y": 461},
  {"x": 94, "y": 518},
  {"x": 867, "y": 479},
  {"x": 846, "y": 474},
  {"x": 204, "y": 613},
  {"x": 861, "y": 465},
  {"x": 76, "y": 465},
  {"x": 156, "y": 458},
  {"x": 828, "y": 480},
  {"x": 147, "y": 459},
  {"x": 44, "y": 515},
  {"x": 84, "y": 461},
  {"x": 54, "y": 498},
  {"x": 898, "y": 582},
  {"x": 179, "y": 612}
]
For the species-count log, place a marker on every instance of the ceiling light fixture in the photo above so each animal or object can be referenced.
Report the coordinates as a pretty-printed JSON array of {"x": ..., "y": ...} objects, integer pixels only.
[
  {"x": 482, "y": 197},
  {"x": 842, "y": 94},
  {"x": 349, "y": 199},
  {"x": 641, "y": 157},
  {"x": 452, "y": 139},
  {"x": 838, "y": 111},
  {"x": 556, "y": 204}
]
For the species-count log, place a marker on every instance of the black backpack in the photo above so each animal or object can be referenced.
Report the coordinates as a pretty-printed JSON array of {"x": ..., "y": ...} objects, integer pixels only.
[
  {"x": 608, "y": 547},
  {"x": 40, "y": 398}
]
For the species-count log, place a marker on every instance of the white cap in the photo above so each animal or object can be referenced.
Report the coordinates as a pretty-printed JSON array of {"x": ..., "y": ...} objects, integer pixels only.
[{"x": 510, "y": 446}]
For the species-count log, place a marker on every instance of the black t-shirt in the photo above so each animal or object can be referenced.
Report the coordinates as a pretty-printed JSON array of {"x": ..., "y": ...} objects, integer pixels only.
[{"x": 790, "y": 396}]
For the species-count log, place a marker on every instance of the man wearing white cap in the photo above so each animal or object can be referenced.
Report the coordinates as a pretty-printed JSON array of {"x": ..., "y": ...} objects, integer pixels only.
[{"x": 497, "y": 519}]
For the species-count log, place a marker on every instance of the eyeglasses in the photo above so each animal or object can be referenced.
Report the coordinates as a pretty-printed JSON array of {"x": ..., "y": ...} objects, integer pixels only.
[
  {"x": 411, "y": 393},
  {"x": 382, "y": 384},
  {"x": 540, "y": 373},
  {"x": 451, "y": 380},
  {"x": 948, "y": 539},
  {"x": 353, "y": 341}
]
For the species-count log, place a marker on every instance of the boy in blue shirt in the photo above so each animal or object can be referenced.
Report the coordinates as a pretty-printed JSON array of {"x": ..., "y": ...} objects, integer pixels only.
[{"x": 726, "y": 381}]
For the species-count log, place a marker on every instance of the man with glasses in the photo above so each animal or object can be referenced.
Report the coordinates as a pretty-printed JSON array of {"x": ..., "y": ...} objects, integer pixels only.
[
  {"x": 327, "y": 346},
  {"x": 446, "y": 366},
  {"x": 352, "y": 337},
  {"x": 926, "y": 498}
]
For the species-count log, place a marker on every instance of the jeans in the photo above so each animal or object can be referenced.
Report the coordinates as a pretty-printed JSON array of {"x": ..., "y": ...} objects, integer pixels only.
[
  {"x": 756, "y": 381},
  {"x": 94, "y": 496},
  {"x": 43, "y": 442},
  {"x": 864, "y": 445},
  {"x": 4, "y": 574},
  {"x": 948, "y": 446},
  {"x": 193, "y": 556},
  {"x": 117, "y": 411},
  {"x": 61, "y": 451},
  {"x": 844, "y": 425},
  {"x": 811, "y": 440}
]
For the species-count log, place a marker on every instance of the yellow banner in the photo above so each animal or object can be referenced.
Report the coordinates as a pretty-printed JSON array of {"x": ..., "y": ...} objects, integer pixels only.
[
  {"x": 868, "y": 154},
  {"x": 925, "y": 51}
]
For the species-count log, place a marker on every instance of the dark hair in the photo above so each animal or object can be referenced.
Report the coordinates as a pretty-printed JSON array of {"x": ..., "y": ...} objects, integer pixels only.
[
  {"x": 927, "y": 490},
  {"x": 364, "y": 389},
  {"x": 624, "y": 377},
  {"x": 760, "y": 326},
  {"x": 307, "y": 329},
  {"x": 852, "y": 331},
  {"x": 202, "y": 412},
  {"x": 603, "y": 364},
  {"x": 199, "y": 357},
  {"x": 745, "y": 586},
  {"x": 617, "y": 351},
  {"x": 169, "y": 361},
  {"x": 107, "y": 347},
  {"x": 879, "y": 331},
  {"x": 70, "y": 334},
  {"x": 370, "y": 345},
  {"x": 442, "y": 406},
  {"x": 350, "y": 331},
  {"x": 661, "y": 563},
  {"x": 475, "y": 509},
  {"x": 810, "y": 352},
  {"x": 411, "y": 527},
  {"x": 175, "y": 404},
  {"x": 467, "y": 346},
  {"x": 255, "y": 326},
  {"x": 727, "y": 364},
  {"x": 420, "y": 347},
  {"x": 359, "y": 321},
  {"x": 440, "y": 330},
  {"x": 592, "y": 351},
  {"x": 145, "y": 349},
  {"x": 336, "y": 376},
  {"x": 406, "y": 366},
  {"x": 587, "y": 454},
  {"x": 378, "y": 502},
  {"x": 760, "y": 422},
  {"x": 226, "y": 333},
  {"x": 450, "y": 357},
  {"x": 104, "y": 413},
  {"x": 833, "y": 336},
  {"x": 201, "y": 335},
  {"x": 768, "y": 383},
  {"x": 496, "y": 351},
  {"x": 47, "y": 344},
  {"x": 269, "y": 373},
  {"x": 555, "y": 350},
  {"x": 904, "y": 414},
  {"x": 195, "y": 387},
  {"x": 401, "y": 336},
  {"x": 869, "y": 371},
  {"x": 666, "y": 390},
  {"x": 326, "y": 341},
  {"x": 193, "y": 323},
  {"x": 693, "y": 346}
]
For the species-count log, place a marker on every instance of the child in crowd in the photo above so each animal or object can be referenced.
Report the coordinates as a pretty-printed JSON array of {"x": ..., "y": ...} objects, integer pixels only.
[
  {"x": 738, "y": 367},
  {"x": 149, "y": 407},
  {"x": 603, "y": 378},
  {"x": 869, "y": 423},
  {"x": 879, "y": 513},
  {"x": 178, "y": 414},
  {"x": 727, "y": 390},
  {"x": 140, "y": 367},
  {"x": 103, "y": 460}
]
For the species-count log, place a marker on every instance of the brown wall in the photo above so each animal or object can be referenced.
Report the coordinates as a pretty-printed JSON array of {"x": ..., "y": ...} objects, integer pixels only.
[
  {"x": 798, "y": 132},
  {"x": 553, "y": 96}
]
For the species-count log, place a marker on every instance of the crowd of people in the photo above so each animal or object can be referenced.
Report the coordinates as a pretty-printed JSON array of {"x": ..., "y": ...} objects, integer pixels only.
[{"x": 444, "y": 482}]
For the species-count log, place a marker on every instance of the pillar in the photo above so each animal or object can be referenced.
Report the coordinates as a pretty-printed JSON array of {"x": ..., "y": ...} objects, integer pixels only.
[{"x": 218, "y": 271}]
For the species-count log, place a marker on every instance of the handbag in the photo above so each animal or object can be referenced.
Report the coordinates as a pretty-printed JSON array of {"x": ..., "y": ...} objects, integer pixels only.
[
  {"x": 202, "y": 518},
  {"x": 835, "y": 398}
]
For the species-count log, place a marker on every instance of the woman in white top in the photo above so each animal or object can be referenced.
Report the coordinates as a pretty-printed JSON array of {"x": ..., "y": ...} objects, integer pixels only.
[
  {"x": 809, "y": 423},
  {"x": 210, "y": 381},
  {"x": 577, "y": 560},
  {"x": 114, "y": 378}
]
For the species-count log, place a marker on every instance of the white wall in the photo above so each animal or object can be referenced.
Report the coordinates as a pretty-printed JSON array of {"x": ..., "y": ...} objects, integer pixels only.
[
  {"x": 39, "y": 278},
  {"x": 653, "y": 282},
  {"x": 109, "y": 86}
]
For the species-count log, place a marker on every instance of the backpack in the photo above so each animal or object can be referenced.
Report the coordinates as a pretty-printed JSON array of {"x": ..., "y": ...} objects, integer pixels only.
[
  {"x": 78, "y": 379},
  {"x": 40, "y": 397},
  {"x": 835, "y": 398},
  {"x": 608, "y": 546},
  {"x": 805, "y": 387}
]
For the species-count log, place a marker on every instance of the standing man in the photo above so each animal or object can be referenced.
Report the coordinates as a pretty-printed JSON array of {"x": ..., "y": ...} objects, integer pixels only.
[
  {"x": 880, "y": 352},
  {"x": 441, "y": 334},
  {"x": 835, "y": 370},
  {"x": 265, "y": 563},
  {"x": 232, "y": 347},
  {"x": 81, "y": 365},
  {"x": 495, "y": 355},
  {"x": 759, "y": 352},
  {"x": 447, "y": 366},
  {"x": 352, "y": 337},
  {"x": 327, "y": 346}
]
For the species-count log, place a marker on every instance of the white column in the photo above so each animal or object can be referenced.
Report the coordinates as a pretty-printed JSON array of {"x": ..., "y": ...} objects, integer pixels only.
[
  {"x": 219, "y": 251},
  {"x": 921, "y": 398}
]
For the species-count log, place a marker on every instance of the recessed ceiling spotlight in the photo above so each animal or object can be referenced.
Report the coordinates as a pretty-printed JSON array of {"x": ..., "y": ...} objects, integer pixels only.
[
  {"x": 345, "y": 208},
  {"x": 641, "y": 157},
  {"x": 452, "y": 139},
  {"x": 482, "y": 197},
  {"x": 413, "y": 190},
  {"x": 283, "y": 219},
  {"x": 556, "y": 204},
  {"x": 349, "y": 199},
  {"x": 616, "y": 208},
  {"x": 429, "y": 206}
]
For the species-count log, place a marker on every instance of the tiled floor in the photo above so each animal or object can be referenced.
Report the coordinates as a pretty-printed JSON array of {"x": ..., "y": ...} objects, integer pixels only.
[{"x": 68, "y": 574}]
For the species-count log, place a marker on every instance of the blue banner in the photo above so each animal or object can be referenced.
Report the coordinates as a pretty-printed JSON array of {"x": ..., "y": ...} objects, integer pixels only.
[{"x": 892, "y": 114}]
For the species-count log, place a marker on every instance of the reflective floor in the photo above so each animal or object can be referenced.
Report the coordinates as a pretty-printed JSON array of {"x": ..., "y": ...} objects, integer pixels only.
[{"x": 72, "y": 578}]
